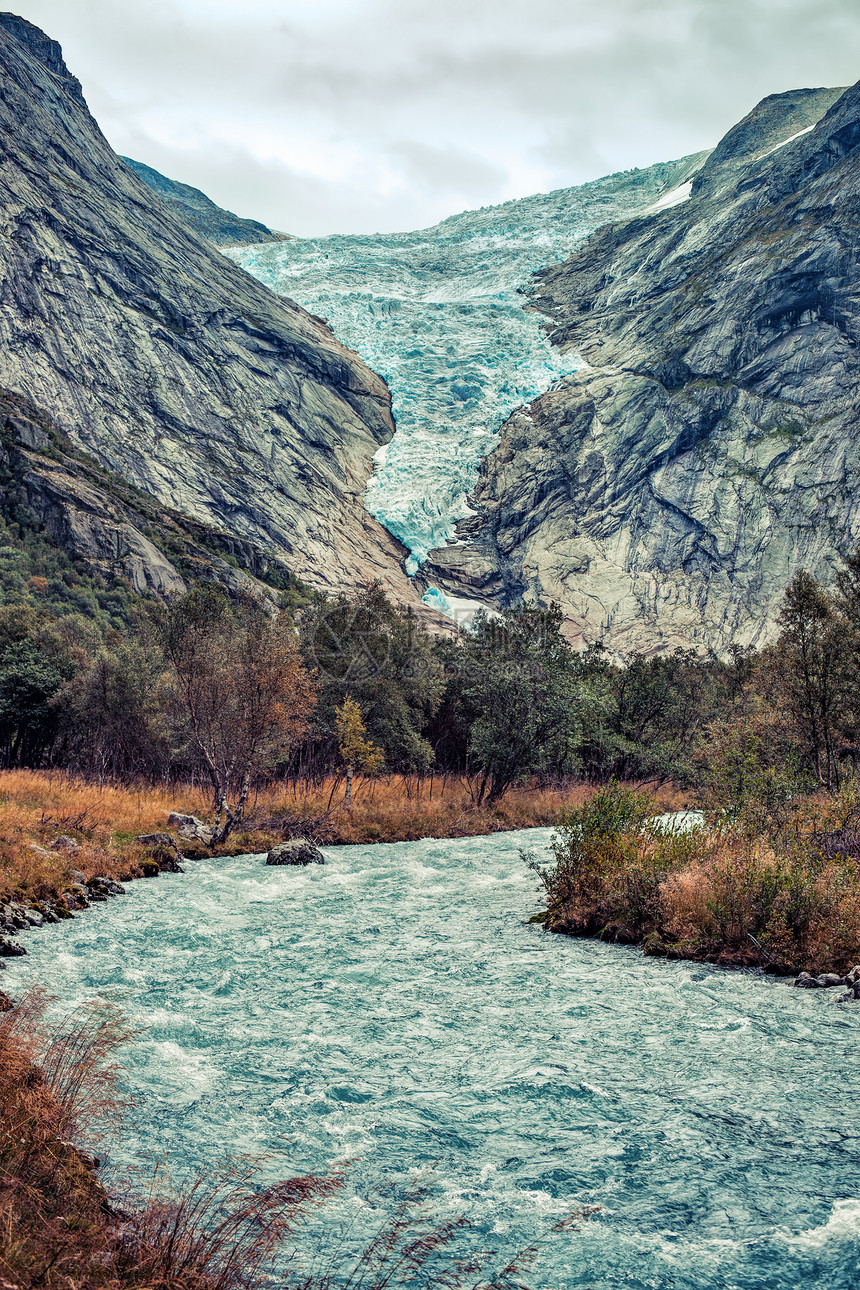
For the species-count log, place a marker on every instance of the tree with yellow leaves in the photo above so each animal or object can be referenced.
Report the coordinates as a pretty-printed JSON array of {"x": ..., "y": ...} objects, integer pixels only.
[{"x": 356, "y": 750}]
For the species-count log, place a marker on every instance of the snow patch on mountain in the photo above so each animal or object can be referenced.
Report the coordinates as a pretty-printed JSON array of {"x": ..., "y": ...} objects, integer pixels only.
[
  {"x": 791, "y": 138},
  {"x": 675, "y": 197}
]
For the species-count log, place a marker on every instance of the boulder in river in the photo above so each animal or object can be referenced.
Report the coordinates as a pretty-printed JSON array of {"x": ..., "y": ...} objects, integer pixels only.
[
  {"x": 164, "y": 853},
  {"x": 168, "y": 863},
  {"x": 295, "y": 851},
  {"x": 10, "y": 949}
]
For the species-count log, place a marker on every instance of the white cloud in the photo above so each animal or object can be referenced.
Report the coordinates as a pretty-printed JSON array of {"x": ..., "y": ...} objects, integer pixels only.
[{"x": 356, "y": 115}]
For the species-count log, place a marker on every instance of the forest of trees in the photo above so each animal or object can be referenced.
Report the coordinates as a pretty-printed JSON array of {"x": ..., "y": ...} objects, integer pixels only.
[{"x": 223, "y": 692}]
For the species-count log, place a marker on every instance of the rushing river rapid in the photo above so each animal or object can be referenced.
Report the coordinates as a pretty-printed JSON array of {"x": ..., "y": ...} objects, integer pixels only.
[{"x": 395, "y": 1008}]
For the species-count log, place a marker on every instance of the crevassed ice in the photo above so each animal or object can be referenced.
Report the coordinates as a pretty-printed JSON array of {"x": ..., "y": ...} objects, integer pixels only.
[{"x": 439, "y": 313}]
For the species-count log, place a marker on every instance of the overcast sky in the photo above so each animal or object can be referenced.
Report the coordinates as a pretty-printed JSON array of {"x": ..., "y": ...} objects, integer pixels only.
[{"x": 322, "y": 116}]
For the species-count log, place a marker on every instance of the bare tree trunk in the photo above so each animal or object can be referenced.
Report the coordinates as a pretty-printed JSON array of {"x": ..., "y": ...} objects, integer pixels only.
[{"x": 347, "y": 801}]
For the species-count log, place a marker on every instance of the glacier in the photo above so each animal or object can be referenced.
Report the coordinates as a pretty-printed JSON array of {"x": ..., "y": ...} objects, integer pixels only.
[{"x": 442, "y": 314}]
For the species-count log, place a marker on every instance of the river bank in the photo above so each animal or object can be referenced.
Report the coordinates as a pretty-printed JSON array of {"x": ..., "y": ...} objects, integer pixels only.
[
  {"x": 737, "y": 890},
  {"x": 59, "y": 833},
  {"x": 731, "y": 896},
  {"x": 394, "y": 1007}
]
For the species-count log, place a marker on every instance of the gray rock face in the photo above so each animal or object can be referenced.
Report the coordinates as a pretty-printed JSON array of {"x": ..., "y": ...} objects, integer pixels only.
[
  {"x": 162, "y": 359},
  {"x": 101, "y": 519},
  {"x": 199, "y": 211},
  {"x": 666, "y": 493},
  {"x": 296, "y": 851}
]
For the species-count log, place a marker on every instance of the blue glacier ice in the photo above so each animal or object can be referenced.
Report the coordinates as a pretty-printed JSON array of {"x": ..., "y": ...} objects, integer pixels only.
[
  {"x": 439, "y": 313},
  {"x": 394, "y": 1007}
]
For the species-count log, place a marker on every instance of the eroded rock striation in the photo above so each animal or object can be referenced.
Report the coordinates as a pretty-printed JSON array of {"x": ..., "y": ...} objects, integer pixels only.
[
  {"x": 666, "y": 493},
  {"x": 116, "y": 530},
  {"x": 163, "y": 361}
]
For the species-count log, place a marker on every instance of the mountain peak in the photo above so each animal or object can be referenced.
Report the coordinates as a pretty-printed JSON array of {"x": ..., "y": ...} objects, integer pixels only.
[
  {"x": 773, "y": 122},
  {"x": 164, "y": 362},
  {"x": 40, "y": 46}
]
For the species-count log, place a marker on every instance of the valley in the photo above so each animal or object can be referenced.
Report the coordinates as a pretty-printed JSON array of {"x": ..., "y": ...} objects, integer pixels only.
[
  {"x": 441, "y": 314},
  {"x": 429, "y": 711}
]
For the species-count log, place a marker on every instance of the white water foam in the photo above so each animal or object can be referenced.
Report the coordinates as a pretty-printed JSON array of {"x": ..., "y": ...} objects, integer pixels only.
[{"x": 395, "y": 1007}]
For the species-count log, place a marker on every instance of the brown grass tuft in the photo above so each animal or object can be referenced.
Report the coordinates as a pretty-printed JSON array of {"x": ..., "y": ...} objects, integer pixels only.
[{"x": 59, "y": 1231}]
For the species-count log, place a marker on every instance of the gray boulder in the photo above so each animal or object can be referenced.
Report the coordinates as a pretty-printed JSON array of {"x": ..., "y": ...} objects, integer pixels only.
[
  {"x": 806, "y": 982},
  {"x": 189, "y": 827},
  {"x": 66, "y": 844},
  {"x": 76, "y": 897},
  {"x": 164, "y": 853},
  {"x": 295, "y": 851},
  {"x": 169, "y": 864},
  {"x": 158, "y": 839},
  {"x": 99, "y": 888}
]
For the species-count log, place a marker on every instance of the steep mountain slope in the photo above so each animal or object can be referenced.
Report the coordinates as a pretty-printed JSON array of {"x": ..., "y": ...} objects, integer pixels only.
[
  {"x": 102, "y": 522},
  {"x": 165, "y": 362},
  {"x": 199, "y": 212},
  {"x": 666, "y": 491},
  {"x": 439, "y": 312}
]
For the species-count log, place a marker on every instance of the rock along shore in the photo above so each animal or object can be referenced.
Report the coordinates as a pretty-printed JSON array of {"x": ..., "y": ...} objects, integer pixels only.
[{"x": 18, "y": 916}]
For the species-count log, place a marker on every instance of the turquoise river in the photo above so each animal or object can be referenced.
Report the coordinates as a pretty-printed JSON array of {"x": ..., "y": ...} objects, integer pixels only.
[{"x": 396, "y": 1009}]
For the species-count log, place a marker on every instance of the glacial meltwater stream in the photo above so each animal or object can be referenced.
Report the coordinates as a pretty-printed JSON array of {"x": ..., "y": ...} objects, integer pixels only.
[{"x": 395, "y": 1008}]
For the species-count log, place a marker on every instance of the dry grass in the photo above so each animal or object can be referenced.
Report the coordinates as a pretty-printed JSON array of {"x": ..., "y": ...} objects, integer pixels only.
[
  {"x": 405, "y": 808},
  {"x": 37, "y": 808},
  {"x": 726, "y": 894},
  {"x": 53, "y": 1211}
]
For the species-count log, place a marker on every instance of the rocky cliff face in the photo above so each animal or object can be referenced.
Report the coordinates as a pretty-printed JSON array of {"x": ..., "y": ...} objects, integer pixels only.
[
  {"x": 665, "y": 493},
  {"x": 95, "y": 517},
  {"x": 199, "y": 212},
  {"x": 163, "y": 361}
]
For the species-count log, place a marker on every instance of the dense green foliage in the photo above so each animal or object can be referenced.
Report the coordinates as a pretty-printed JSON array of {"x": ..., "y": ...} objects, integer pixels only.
[
  {"x": 518, "y": 690},
  {"x": 33, "y": 571},
  {"x": 84, "y": 662},
  {"x": 367, "y": 649}
]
